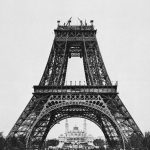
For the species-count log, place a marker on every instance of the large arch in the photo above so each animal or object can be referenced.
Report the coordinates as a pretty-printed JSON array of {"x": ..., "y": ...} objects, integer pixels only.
[{"x": 98, "y": 114}]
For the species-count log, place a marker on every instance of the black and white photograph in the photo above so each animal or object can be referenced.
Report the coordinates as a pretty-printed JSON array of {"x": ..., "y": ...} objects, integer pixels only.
[{"x": 74, "y": 74}]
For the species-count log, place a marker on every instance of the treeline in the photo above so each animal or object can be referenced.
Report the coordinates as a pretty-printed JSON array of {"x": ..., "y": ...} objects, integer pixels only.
[
  {"x": 13, "y": 143},
  {"x": 19, "y": 143},
  {"x": 135, "y": 142}
]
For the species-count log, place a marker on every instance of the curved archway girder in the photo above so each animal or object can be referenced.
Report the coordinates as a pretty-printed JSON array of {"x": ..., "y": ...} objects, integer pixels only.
[{"x": 80, "y": 115}]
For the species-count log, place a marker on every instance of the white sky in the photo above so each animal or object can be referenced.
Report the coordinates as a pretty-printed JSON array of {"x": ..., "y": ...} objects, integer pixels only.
[{"x": 26, "y": 36}]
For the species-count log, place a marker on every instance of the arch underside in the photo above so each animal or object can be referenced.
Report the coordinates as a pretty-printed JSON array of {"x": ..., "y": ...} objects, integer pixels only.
[{"x": 45, "y": 123}]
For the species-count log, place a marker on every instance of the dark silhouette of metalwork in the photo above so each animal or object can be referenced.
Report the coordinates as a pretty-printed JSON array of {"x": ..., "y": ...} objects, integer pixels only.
[{"x": 54, "y": 101}]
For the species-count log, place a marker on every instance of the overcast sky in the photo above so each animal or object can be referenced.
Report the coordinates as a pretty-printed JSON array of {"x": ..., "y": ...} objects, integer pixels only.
[{"x": 26, "y": 37}]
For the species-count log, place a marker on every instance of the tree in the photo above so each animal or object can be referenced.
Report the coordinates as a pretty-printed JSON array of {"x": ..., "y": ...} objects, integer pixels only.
[
  {"x": 2, "y": 141},
  {"x": 52, "y": 142},
  {"x": 114, "y": 145},
  {"x": 136, "y": 141},
  {"x": 15, "y": 143},
  {"x": 11, "y": 143},
  {"x": 99, "y": 142},
  {"x": 146, "y": 141}
]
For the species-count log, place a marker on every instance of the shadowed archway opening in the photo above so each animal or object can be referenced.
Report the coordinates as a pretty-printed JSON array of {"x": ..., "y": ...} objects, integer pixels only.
[
  {"x": 59, "y": 128},
  {"x": 75, "y": 132}
]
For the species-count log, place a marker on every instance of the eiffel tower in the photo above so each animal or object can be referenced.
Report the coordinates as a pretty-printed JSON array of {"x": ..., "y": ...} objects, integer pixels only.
[{"x": 53, "y": 101}]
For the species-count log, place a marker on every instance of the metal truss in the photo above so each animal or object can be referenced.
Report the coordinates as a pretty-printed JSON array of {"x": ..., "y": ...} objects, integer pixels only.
[{"x": 97, "y": 101}]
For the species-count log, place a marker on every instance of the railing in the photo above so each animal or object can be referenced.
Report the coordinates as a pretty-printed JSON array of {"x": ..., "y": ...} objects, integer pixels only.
[
  {"x": 83, "y": 83},
  {"x": 74, "y": 89},
  {"x": 75, "y": 38},
  {"x": 71, "y": 27}
]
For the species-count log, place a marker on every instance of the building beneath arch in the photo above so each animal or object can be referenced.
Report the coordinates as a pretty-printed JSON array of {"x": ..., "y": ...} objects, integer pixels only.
[{"x": 75, "y": 138}]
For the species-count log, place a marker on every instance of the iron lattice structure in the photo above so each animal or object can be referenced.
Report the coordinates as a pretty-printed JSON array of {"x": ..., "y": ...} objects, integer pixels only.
[{"x": 53, "y": 101}]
